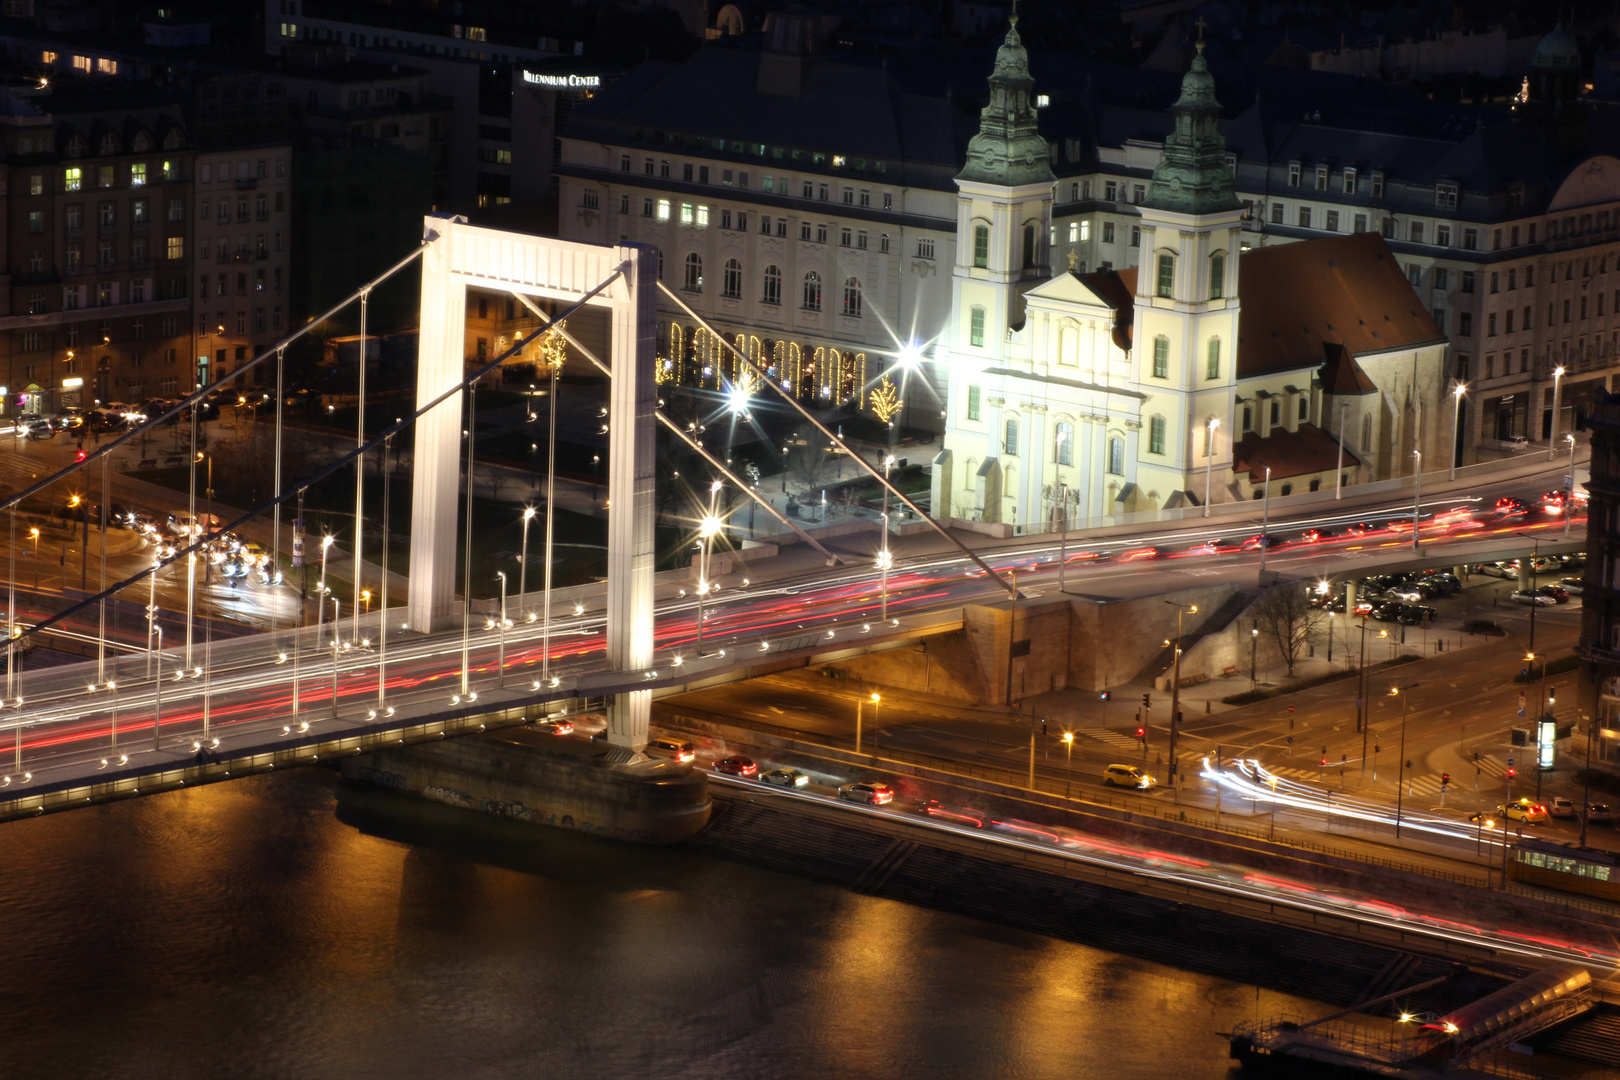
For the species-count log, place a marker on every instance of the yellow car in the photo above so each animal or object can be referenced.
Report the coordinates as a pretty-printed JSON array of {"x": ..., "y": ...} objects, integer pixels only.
[
  {"x": 1127, "y": 776},
  {"x": 1526, "y": 810}
]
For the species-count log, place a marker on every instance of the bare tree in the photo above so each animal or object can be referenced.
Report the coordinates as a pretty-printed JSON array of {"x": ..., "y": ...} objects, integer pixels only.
[
  {"x": 1286, "y": 617},
  {"x": 809, "y": 468}
]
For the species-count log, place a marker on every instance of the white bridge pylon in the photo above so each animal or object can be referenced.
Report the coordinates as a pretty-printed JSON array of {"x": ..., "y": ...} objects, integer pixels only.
[{"x": 460, "y": 255}]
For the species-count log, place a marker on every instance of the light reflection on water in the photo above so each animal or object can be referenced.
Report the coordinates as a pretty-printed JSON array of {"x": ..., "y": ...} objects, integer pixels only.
[{"x": 289, "y": 927}]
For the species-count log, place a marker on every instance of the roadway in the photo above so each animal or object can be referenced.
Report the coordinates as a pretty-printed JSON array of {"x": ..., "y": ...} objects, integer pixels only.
[{"x": 245, "y": 688}]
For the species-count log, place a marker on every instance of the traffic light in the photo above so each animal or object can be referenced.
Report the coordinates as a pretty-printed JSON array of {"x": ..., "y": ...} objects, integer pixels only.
[
  {"x": 1141, "y": 732},
  {"x": 1105, "y": 695},
  {"x": 1377, "y": 749},
  {"x": 1043, "y": 727},
  {"x": 1324, "y": 763},
  {"x": 1445, "y": 778},
  {"x": 79, "y": 456},
  {"x": 1147, "y": 701},
  {"x": 1512, "y": 772}
]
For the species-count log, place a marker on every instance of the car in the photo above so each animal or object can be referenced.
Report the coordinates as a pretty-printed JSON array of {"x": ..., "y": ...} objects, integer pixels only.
[
  {"x": 671, "y": 747},
  {"x": 1388, "y": 611},
  {"x": 1488, "y": 627},
  {"x": 1531, "y": 598},
  {"x": 1559, "y": 594},
  {"x": 1546, "y": 564},
  {"x": 1572, "y": 585},
  {"x": 1411, "y": 594},
  {"x": 1524, "y": 809},
  {"x": 1127, "y": 776},
  {"x": 1494, "y": 569},
  {"x": 553, "y": 725},
  {"x": 1416, "y": 615},
  {"x": 1140, "y": 553},
  {"x": 1599, "y": 812},
  {"x": 736, "y": 766},
  {"x": 1516, "y": 443},
  {"x": 1509, "y": 504},
  {"x": 869, "y": 792},
  {"x": 965, "y": 815},
  {"x": 1363, "y": 528},
  {"x": 1263, "y": 540},
  {"x": 792, "y": 778},
  {"x": 1313, "y": 536},
  {"x": 1445, "y": 582},
  {"x": 1215, "y": 546},
  {"x": 1560, "y": 807}
]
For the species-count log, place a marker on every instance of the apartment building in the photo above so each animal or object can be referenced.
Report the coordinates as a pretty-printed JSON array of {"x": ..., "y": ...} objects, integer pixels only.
[
  {"x": 97, "y": 245},
  {"x": 243, "y": 258},
  {"x": 805, "y": 207}
]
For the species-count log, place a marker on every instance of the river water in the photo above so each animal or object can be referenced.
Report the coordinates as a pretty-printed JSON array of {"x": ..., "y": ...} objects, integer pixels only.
[{"x": 289, "y": 926}]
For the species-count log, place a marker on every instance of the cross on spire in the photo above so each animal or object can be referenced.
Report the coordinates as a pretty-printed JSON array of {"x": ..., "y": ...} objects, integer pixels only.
[{"x": 1198, "y": 22}]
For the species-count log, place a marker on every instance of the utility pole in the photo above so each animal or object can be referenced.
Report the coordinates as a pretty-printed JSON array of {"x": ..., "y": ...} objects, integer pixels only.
[{"x": 1175, "y": 695}]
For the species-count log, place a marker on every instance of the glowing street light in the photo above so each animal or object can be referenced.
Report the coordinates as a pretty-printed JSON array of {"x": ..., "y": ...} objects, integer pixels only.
[
  {"x": 1209, "y": 459},
  {"x": 523, "y": 560},
  {"x": 876, "y": 700},
  {"x": 708, "y": 528},
  {"x": 737, "y": 400},
  {"x": 1457, "y": 393},
  {"x": 1552, "y": 431}
]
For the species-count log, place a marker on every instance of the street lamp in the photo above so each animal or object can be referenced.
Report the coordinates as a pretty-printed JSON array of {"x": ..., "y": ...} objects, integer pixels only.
[
  {"x": 1338, "y": 475},
  {"x": 1068, "y": 747},
  {"x": 1552, "y": 430},
  {"x": 157, "y": 687},
  {"x": 1456, "y": 414},
  {"x": 1401, "y": 764},
  {"x": 1569, "y": 488},
  {"x": 1209, "y": 458},
  {"x": 523, "y": 561},
  {"x": 320, "y": 601},
  {"x": 337, "y": 618},
  {"x": 1175, "y": 693},
  {"x": 876, "y": 699},
  {"x": 1254, "y": 654},
  {"x": 33, "y": 534},
  {"x": 500, "y": 655}
]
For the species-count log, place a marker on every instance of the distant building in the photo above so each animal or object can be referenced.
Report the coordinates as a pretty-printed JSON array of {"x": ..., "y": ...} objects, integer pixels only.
[
  {"x": 97, "y": 250},
  {"x": 1599, "y": 651}
]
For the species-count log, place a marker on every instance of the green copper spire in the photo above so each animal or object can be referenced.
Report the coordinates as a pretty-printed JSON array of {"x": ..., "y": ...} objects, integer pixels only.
[
  {"x": 1008, "y": 150},
  {"x": 1192, "y": 177}
]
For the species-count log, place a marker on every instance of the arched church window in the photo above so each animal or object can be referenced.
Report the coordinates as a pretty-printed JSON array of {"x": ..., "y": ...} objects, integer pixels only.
[
  {"x": 1029, "y": 245},
  {"x": 976, "y": 327},
  {"x": 981, "y": 246},
  {"x": 812, "y": 291},
  {"x": 694, "y": 272},
  {"x": 1116, "y": 456},
  {"x": 1063, "y": 440},
  {"x": 1161, "y": 357},
  {"x": 1217, "y": 276},
  {"x": 773, "y": 286},
  {"x": 1167, "y": 275},
  {"x": 1156, "y": 435},
  {"x": 852, "y": 298},
  {"x": 1214, "y": 366},
  {"x": 1009, "y": 440}
]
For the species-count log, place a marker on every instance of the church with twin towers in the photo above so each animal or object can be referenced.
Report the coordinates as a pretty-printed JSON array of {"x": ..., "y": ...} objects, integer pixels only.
[{"x": 1202, "y": 374}]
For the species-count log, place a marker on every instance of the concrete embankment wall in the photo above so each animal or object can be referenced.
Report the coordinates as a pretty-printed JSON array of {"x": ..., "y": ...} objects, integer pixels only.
[
  {"x": 1465, "y": 897},
  {"x": 544, "y": 780},
  {"x": 1040, "y": 894}
]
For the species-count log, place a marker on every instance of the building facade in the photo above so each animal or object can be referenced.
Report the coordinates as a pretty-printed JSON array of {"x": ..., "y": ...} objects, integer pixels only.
[
  {"x": 1089, "y": 395},
  {"x": 97, "y": 247},
  {"x": 1598, "y": 695}
]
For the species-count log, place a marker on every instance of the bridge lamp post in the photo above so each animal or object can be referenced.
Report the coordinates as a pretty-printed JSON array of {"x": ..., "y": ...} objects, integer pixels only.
[
  {"x": 320, "y": 601},
  {"x": 885, "y": 559},
  {"x": 1552, "y": 431},
  {"x": 1068, "y": 767},
  {"x": 33, "y": 534},
  {"x": 1569, "y": 489},
  {"x": 157, "y": 689},
  {"x": 500, "y": 655},
  {"x": 1417, "y": 496},
  {"x": 523, "y": 564},
  {"x": 708, "y": 528},
  {"x": 1209, "y": 458},
  {"x": 1457, "y": 393},
  {"x": 113, "y": 686},
  {"x": 337, "y": 616}
]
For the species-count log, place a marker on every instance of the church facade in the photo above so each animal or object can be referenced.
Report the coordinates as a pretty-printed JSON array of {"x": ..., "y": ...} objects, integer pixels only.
[{"x": 1200, "y": 376}]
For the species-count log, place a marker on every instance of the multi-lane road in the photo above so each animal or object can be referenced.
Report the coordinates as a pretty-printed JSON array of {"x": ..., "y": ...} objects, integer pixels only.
[{"x": 67, "y": 724}]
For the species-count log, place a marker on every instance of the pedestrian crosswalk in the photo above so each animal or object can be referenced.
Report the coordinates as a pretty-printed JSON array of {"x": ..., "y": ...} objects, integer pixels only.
[
  {"x": 1112, "y": 738},
  {"x": 1488, "y": 771}
]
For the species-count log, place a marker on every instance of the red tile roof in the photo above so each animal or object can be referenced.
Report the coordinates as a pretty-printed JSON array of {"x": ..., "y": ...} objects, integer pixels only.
[
  {"x": 1342, "y": 375},
  {"x": 1346, "y": 290},
  {"x": 1289, "y": 453}
]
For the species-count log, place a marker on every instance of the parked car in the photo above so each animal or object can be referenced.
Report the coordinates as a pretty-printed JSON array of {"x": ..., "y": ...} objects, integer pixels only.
[
  {"x": 1388, "y": 611},
  {"x": 1531, "y": 598},
  {"x": 1599, "y": 812},
  {"x": 870, "y": 793},
  {"x": 792, "y": 778},
  {"x": 1560, "y": 807},
  {"x": 1411, "y": 594},
  {"x": 1559, "y": 594},
  {"x": 1498, "y": 569},
  {"x": 1573, "y": 585},
  {"x": 736, "y": 766},
  {"x": 1448, "y": 583},
  {"x": 1524, "y": 809},
  {"x": 1416, "y": 615},
  {"x": 1127, "y": 776},
  {"x": 1487, "y": 627}
]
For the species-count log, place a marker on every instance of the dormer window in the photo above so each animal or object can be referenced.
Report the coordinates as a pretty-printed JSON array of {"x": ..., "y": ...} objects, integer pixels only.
[
  {"x": 1445, "y": 195},
  {"x": 1293, "y": 173},
  {"x": 1349, "y": 181},
  {"x": 1378, "y": 185},
  {"x": 1321, "y": 178}
]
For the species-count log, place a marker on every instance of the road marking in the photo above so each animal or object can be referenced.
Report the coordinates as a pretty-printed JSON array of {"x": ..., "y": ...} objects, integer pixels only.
[{"x": 1112, "y": 738}]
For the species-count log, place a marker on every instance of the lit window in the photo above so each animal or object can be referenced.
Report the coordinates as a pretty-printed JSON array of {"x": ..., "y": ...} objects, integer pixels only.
[
  {"x": 177, "y": 247},
  {"x": 72, "y": 178},
  {"x": 663, "y": 209},
  {"x": 137, "y": 174}
]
